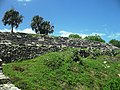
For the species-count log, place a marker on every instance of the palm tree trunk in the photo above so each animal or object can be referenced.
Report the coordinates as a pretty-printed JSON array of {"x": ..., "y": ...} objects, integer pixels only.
[{"x": 11, "y": 28}]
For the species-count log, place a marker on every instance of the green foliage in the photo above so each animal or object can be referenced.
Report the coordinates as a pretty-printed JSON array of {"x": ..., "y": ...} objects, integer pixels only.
[
  {"x": 59, "y": 71},
  {"x": 113, "y": 84},
  {"x": 115, "y": 42},
  {"x": 40, "y": 26},
  {"x": 95, "y": 38},
  {"x": 54, "y": 62},
  {"x": 35, "y": 35},
  {"x": 12, "y": 18},
  {"x": 74, "y": 36}
]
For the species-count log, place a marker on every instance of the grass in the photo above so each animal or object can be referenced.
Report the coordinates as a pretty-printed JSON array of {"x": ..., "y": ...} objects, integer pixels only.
[{"x": 58, "y": 71}]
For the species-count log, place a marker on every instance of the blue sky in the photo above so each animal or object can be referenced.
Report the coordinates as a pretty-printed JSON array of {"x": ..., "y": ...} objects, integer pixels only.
[{"x": 84, "y": 17}]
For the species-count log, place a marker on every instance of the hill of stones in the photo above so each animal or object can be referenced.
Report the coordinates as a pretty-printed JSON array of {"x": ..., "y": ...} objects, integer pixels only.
[{"x": 20, "y": 46}]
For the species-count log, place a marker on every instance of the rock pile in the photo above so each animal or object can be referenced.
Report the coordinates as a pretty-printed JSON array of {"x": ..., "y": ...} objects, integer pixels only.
[
  {"x": 19, "y": 46},
  {"x": 5, "y": 82}
]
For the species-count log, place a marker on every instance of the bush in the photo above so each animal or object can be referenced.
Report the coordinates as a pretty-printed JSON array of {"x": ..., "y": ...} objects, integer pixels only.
[
  {"x": 115, "y": 42},
  {"x": 95, "y": 38},
  {"x": 74, "y": 36}
]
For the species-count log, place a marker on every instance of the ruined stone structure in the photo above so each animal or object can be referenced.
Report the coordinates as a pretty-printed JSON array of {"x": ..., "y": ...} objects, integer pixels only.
[
  {"x": 19, "y": 46},
  {"x": 5, "y": 82}
]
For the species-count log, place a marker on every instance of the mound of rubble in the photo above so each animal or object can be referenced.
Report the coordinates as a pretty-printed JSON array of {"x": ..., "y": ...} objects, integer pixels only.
[
  {"x": 5, "y": 82},
  {"x": 19, "y": 46}
]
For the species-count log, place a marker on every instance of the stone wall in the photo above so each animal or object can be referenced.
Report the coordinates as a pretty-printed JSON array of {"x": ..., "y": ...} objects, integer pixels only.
[{"x": 19, "y": 46}]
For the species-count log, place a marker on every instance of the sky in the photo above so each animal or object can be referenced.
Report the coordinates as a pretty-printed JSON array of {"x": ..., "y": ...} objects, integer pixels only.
[{"x": 83, "y": 17}]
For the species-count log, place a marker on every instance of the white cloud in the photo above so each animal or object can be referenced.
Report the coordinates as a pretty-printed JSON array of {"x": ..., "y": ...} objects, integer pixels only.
[
  {"x": 100, "y": 34},
  {"x": 66, "y": 34},
  {"x": 5, "y": 30},
  {"x": 24, "y": 0},
  {"x": 27, "y": 30},
  {"x": 62, "y": 33},
  {"x": 114, "y": 36},
  {"x": 83, "y": 35}
]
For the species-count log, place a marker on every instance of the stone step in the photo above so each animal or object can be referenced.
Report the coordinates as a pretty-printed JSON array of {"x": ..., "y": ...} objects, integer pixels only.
[
  {"x": 5, "y": 82},
  {"x": 1, "y": 68},
  {"x": 8, "y": 87},
  {"x": 4, "y": 79}
]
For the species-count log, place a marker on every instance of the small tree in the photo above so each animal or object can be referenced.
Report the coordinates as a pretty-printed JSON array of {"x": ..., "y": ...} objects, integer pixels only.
[
  {"x": 95, "y": 38},
  {"x": 12, "y": 18},
  {"x": 40, "y": 26},
  {"x": 115, "y": 42},
  {"x": 74, "y": 36}
]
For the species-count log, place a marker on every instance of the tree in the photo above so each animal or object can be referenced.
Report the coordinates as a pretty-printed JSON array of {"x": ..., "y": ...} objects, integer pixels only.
[
  {"x": 95, "y": 38},
  {"x": 115, "y": 42},
  {"x": 36, "y": 23},
  {"x": 74, "y": 36},
  {"x": 40, "y": 26},
  {"x": 47, "y": 28},
  {"x": 12, "y": 18}
]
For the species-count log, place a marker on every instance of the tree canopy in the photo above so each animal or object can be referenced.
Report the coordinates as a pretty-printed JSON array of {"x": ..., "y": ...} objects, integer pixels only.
[
  {"x": 95, "y": 38},
  {"x": 12, "y": 18},
  {"x": 74, "y": 36},
  {"x": 40, "y": 26},
  {"x": 115, "y": 42}
]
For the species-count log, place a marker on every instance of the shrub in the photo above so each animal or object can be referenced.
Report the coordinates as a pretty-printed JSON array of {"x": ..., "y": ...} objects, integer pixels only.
[
  {"x": 115, "y": 42},
  {"x": 95, "y": 38},
  {"x": 74, "y": 36}
]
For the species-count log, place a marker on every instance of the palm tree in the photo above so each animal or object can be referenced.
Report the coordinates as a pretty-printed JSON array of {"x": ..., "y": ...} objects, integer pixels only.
[
  {"x": 36, "y": 23},
  {"x": 12, "y": 18},
  {"x": 40, "y": 26},
  {"x": 47, "y": 28}
]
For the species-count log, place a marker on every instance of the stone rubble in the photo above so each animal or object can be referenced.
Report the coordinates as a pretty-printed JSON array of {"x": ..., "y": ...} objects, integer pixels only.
[
  {"x": 5, "y": 82},
  {"x": 8, "y": 87},
  {"x": 19, "y": 46}
]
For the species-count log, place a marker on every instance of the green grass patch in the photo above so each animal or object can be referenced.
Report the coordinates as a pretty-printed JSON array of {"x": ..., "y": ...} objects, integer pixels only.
[{"x": 58, "y": 71}]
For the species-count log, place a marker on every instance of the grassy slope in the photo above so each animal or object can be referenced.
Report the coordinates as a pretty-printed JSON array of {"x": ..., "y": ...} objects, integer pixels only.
[{"x": 58, "y": 71}]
